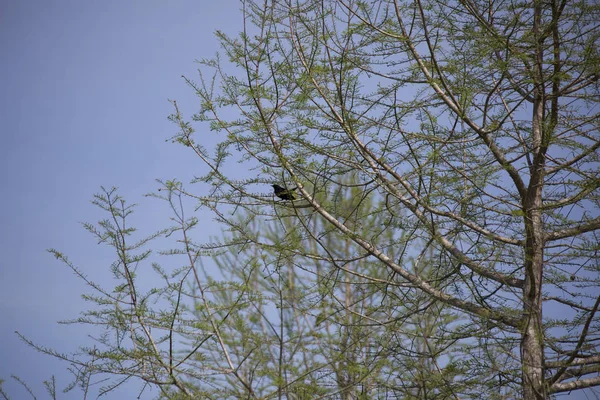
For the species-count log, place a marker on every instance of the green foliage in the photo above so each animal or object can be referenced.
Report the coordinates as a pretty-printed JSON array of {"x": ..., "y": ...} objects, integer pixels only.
[{"x": 445, "y": 156}]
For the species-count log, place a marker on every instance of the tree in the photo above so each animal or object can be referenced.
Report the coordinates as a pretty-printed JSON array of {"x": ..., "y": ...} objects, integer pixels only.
[
  {"x": 268, "y": 324},
  {"x": 477, "y": 123},
  {"x": 446, "y": 159}
]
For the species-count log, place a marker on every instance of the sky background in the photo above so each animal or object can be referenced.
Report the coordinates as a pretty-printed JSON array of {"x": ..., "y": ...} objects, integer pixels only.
[{"x": 84, "y": 104}]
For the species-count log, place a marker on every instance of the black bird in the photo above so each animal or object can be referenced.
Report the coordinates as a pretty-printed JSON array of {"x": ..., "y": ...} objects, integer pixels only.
[{"x": 283, "y": 193}]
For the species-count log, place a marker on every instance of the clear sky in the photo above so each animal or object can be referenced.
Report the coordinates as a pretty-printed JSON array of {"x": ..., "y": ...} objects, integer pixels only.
[{"x": 84, "y": 103}]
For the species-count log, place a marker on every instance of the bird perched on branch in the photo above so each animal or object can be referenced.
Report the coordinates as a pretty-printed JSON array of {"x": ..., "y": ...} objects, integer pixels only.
[{"x": 284, "y": 193}]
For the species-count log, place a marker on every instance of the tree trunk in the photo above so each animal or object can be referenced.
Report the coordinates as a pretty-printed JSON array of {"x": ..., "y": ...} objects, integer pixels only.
[{"x": 532, "y": 339}]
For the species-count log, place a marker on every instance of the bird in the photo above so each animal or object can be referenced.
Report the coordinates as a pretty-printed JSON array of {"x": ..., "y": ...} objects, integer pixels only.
[{"x": 283, "y": 193}]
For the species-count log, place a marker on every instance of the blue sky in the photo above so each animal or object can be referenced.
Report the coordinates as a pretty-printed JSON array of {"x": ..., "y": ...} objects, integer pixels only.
[{"x": 84, "y": 103}]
